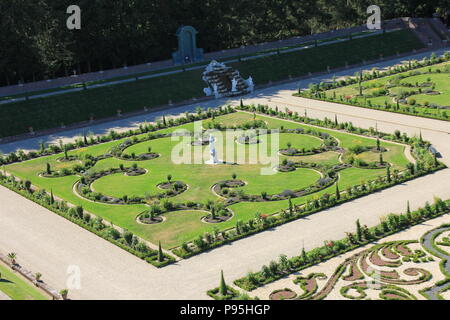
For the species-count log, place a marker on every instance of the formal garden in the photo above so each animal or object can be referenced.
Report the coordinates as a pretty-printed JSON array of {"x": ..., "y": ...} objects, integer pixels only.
[
  {"x": 126, "y": 188},
  {"x": 406, "y": 267},
  {"x": 420, "y": 88}
]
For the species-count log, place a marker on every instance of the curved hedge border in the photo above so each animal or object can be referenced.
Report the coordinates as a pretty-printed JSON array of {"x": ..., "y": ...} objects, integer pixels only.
[
  {"x": 85, "y": 141},
  {"x": 85, "y": 221},
  {"x": 352, "y": 80},
  {"x": 243, "y": 230},
  {"x": 305, "y": 260}
]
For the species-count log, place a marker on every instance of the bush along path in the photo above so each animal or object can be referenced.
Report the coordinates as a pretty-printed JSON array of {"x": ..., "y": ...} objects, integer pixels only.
[
  {"x": 360, "y": 237},
  {"x": 400, "y": 103}
]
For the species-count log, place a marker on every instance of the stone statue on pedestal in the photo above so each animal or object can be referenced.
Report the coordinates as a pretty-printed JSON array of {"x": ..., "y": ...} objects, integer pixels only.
[
  {"x": 216, "y": 91},
  {"x": 250, "y": 84},
  {"x": 234, "y": 83},
  {"x": 207, "y": 91},
  {"x": 212, "y": 151}
]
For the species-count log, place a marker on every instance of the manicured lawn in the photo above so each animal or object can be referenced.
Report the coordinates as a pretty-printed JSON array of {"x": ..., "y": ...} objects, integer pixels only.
[
  {"x": 183, "y": 226},
  {"x": 425, "y": 104},
  {"x": 17, "y": 288}
]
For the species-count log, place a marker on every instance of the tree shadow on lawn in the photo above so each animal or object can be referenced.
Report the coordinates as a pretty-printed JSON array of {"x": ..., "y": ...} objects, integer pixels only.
[{"x": 5, "y": 281}]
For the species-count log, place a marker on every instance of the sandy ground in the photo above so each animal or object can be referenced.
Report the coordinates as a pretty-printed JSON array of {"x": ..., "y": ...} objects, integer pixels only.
[
  {"x": 3, "y": 296},
  {"x": 49, "y": 244},
  {"x": 330, "y": 266}
]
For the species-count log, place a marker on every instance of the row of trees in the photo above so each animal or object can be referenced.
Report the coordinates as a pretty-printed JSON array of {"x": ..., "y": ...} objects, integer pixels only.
[{"x": 36, "y": 43}]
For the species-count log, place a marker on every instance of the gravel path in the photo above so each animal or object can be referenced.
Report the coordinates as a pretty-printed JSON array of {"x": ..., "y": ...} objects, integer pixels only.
[{"x": 3, "y": 296}]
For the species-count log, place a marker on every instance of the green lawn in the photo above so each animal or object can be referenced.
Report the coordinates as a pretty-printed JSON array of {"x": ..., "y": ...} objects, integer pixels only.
[
  {"x": 434, "y": 81},
  {"x": 184, "y": 226},
  {"x": 50, "y": 112},
  {"x": 17, "y": 288}
]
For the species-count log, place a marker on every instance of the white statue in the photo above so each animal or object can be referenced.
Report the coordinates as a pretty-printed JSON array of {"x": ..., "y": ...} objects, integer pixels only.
[
  {"x": 214, "y": 64},
  {"x": 212, "y": 151},
  {"x": 216, "y": 91},
  {"x": 207, "y": 91},
  {"x": 234, "y": 83},
  {"x": 250, "y": 84}
]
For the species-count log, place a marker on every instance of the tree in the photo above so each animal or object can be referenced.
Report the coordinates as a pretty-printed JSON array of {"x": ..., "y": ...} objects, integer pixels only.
[
  {"x": 160, "y": 253},
  {"x": 64, "y": 293},
  {"x": 388, "y": 174},
  {"x": 378, "y": 145},
  {"x": 360, "y": 82},
  {"x": 291, "y": 207},
  {"x": 304, "y": 256},
  {"x": 358, "y": 231},
  {"x": 284, "y": 262},
  {"x": 164, "y": 121},
  {"x": 169, "y": 177},
  {"x": 381, "y": 159},
  {"x": 411, "y": 168},
  {"x": 52, "y": 198},
  {"x": 48, "y": 169},
  {"x": 213, "y": 213},
  {"x": 408, "y": 209},
  {"x": 234, "y": 176},
  {"x": 223, "y": 290},
  {"x": 79, "y": 211},
  {"x": 27, "y": 185},
  {"x": 338, "y": 193}
]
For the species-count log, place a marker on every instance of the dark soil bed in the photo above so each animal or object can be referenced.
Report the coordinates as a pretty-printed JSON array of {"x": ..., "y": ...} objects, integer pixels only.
[
  {"x": 217, "y": 219},
  {"x": 282, "y": 295},
  {"x": 151, "y": 221}
]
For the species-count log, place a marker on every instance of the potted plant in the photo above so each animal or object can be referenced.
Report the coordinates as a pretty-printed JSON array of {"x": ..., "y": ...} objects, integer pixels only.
[
  {"x": 12, "y": 256},
  {"x": 38, "y": 276},
  {"x": 64, "y": 293}
]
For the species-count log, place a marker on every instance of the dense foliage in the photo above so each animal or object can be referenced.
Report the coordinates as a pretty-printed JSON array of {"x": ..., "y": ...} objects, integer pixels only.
[
  {"x": 52, "y": 111},
  {"x": 36, "y": 43}
]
